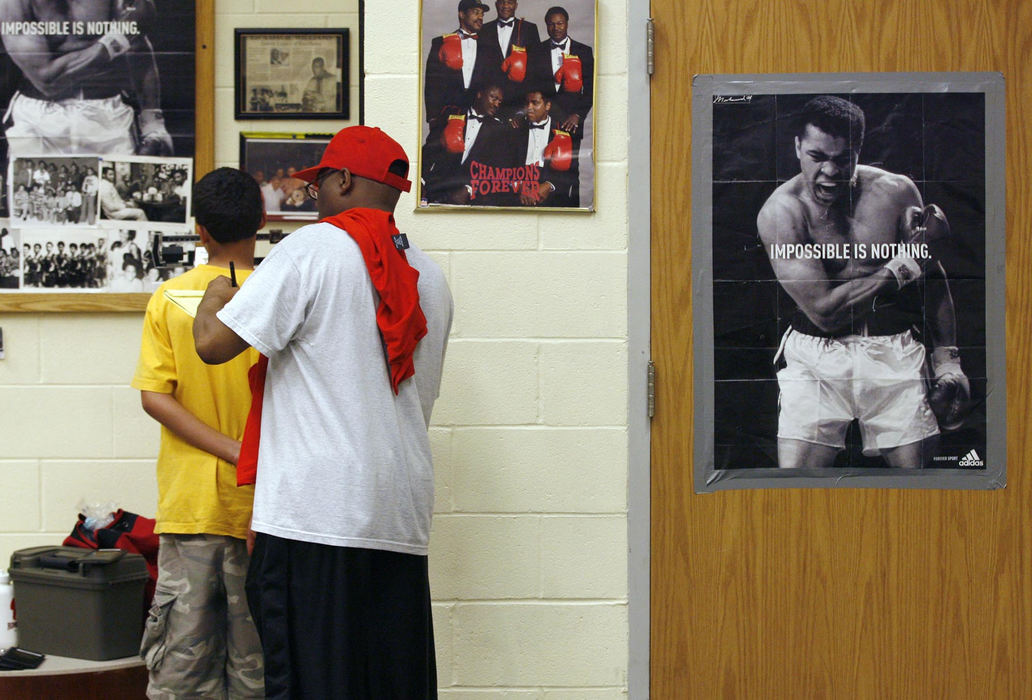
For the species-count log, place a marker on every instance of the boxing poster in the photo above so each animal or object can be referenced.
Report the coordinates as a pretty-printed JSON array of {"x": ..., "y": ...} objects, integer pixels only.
[
  {"x": 507, "y": 105},
  {"x": 96, "y": 142},
  {"x": 848, "y": 276}
]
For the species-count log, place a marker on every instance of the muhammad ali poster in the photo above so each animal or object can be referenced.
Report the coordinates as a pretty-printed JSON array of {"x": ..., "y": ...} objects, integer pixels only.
[
  {"x": 85, "y": 81},
  {"x": 508, "y": 104},
  {"x": 848, "y": 253}
]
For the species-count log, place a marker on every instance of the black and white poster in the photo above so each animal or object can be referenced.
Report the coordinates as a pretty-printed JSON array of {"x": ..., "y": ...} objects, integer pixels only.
[
  {"x": 84, "y": 84},
  {"x": 508, "y": 104},
  {"x": 848, "y": 251}
]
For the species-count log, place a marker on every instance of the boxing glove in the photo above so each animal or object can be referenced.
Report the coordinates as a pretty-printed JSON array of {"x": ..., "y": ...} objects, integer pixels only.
[
  {"x": 154, "y": 137},
  {"x": 142, "y": 12},
  {"x": 950, "y": 392},
  {"x": 454, "y": 136},
  {"x": 559, "y": 151},
  {"x": 570, "y": 75},
  {"x": 515, "y": 66},
  {"x": 450, "y": 53},
  {"x": 925, "y": 225}
]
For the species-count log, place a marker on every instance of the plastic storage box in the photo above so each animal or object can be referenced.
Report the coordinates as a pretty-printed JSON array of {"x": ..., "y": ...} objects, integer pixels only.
[{"x": 82, "y": 603}]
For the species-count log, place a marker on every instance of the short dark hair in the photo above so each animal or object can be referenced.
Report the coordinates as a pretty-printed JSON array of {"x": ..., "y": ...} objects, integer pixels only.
[
  {"x": 834, "y": 116},
  {"x": 547, "y": 91},
  {"x": 556, "y": 10},
  {"x": 228, "y": 203}
]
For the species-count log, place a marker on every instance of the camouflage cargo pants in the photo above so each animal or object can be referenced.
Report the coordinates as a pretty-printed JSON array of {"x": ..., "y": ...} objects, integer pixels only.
[{"x": 199, "y": 640}]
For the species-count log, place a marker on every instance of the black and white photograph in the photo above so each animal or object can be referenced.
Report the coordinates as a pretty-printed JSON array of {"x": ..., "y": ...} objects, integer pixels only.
[
  {"x": 102, "y": 259},
  {"x": 10, "y": 257},
  {"x": 60, "y": 98},
  {"x": 51, "y": 190},
  {"x": 65, "y": 259},
  {"x": 145, "y": 189},
  {"x": 508, "y": 104},
  {"x": 847, "y": 237},
  {"x": 272, "y": 159},
  {"x": 292, "y": 74}
]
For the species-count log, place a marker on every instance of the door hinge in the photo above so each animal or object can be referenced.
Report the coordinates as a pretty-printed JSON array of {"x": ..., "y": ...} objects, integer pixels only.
[
  {"x": 652, "y": 388},
  {"x": 650, "y": 46}
]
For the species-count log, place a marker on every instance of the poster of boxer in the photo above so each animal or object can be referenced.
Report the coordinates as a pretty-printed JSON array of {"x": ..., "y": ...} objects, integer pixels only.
[
  {"x": 508, "y": 104},
  {"x": 78, "y": 83},
  {"x": 848, "y": 252}
]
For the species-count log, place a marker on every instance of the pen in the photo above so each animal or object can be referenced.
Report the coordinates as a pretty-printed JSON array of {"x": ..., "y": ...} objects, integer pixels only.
[{"x": 232, "y": 273}]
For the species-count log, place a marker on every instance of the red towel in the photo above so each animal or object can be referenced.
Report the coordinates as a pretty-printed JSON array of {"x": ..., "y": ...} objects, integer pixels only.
[
  {"x": 400, "y": 319},
  {"x": 247, "y": 462}
]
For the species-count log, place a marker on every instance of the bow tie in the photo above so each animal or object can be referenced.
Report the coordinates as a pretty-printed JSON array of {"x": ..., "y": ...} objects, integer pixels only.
[
  {"x": 467, "y": 35},
  {"x": 559, "y": 44},
  {"x": 503, "y": 23},
  {"x": 538, "y": 126},
  {"x": 476, "y": 117}
]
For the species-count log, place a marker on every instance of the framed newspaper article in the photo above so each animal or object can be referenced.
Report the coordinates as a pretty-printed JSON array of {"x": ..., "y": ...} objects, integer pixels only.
[
  {"x": 508, "y": 105},
  {"x": 847, "y": 258},
  {"x": 111, "y": 83},
  {"x": 291, "y": 74},
  {"x": 272, "y": 159}
]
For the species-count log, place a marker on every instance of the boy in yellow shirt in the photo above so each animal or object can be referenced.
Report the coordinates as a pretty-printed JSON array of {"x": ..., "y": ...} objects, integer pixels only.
[{"x": 200, "y": 640}]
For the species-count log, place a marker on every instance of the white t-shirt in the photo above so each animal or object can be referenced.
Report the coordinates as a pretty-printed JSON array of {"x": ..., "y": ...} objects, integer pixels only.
[{"x": 342, "y": 460}]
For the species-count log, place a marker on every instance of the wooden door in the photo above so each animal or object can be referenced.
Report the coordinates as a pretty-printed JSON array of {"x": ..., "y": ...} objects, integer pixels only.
[{"x": 842, "y": 593}]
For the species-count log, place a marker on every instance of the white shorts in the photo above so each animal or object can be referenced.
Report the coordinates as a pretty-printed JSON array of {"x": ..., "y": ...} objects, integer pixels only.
[
  {"x": 877, "y": 380},
  {"x": 71, "y": 126}
]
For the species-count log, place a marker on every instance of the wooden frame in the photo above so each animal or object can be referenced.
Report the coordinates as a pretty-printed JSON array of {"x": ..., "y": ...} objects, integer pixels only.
[
  {"x": 275, "y": 74},
  {"x": 204, "y": 159}
]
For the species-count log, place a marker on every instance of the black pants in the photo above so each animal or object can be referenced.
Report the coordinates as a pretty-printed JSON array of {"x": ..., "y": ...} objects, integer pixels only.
[{"x": 339, "y": 622}]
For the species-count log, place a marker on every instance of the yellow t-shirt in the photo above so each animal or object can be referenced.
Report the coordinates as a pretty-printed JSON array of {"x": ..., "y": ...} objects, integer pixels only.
[{"x": 197, "y": 491}]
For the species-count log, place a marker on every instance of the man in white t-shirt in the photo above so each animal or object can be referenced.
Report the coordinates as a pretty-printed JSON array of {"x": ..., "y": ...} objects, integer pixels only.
[{"x": 354, "y": 322}]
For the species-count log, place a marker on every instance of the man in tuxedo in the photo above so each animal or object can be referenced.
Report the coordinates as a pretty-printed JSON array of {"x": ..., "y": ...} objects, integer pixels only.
[
  {"x": 456, "y": 65},
  {"x": 569, "y": 66},
  {"x": 504, "y": 37},
  {"x": 547, "y": 181},
  {"x": 465, "y": 155}
]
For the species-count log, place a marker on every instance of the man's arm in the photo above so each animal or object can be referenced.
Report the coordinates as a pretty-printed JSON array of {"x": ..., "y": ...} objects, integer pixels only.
[
  {"x": 154, "y": 139},
  {"x": 584, "y": 100},
  {"x": 215, "y": 341},
  {"x": 170, "y": 413},
  {"x": 942, "y": 317},
  {"x": 828, "y": 305},
  {"x": 434, "y": 80}
]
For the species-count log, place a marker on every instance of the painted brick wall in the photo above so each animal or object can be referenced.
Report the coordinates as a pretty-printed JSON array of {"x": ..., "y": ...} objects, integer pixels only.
[{"x": 529, "y": 545}]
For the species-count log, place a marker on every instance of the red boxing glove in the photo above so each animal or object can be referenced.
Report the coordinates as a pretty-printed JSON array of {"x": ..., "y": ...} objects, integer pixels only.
[
  {"x": 454, "y": 136},
  {"x": 450, "y": 53},
  {"x": 559, "y": 151},
  {"x": 515, "y": 66},
  {"x": 570, "y": 74}
]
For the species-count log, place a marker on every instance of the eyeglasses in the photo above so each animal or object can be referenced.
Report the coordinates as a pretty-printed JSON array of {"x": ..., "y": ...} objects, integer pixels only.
[{"x": 312, "y": 188}]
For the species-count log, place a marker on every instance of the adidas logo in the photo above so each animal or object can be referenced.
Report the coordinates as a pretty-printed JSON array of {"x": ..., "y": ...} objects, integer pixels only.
[{"x": 971, "y": 459}]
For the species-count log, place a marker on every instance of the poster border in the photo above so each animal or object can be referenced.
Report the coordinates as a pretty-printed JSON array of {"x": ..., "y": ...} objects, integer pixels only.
[
  {"x": 585, "y": 208},
  {"x": 708, "y": 479}
]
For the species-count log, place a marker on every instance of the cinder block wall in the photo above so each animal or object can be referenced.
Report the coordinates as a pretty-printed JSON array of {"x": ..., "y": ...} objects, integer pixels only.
[{"x": 529, "y": 546}]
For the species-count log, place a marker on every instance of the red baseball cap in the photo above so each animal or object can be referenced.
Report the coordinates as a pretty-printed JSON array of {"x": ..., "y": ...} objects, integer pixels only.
[{"x": 365, "y": 151}]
